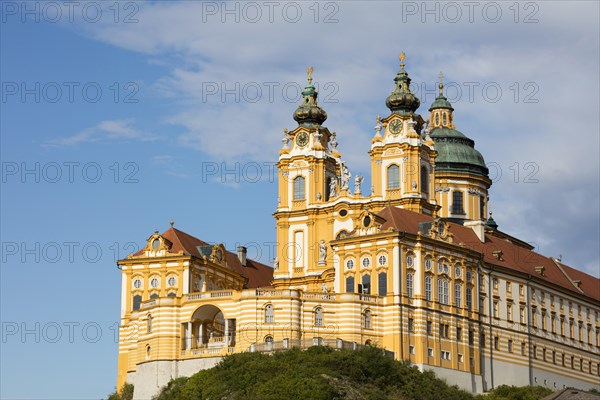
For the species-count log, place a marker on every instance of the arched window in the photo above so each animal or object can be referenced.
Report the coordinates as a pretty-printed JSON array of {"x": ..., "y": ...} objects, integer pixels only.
[
  {"x": 366, "y": 284},
  {"x": 341, "y": 234},
  {"x": 327, "y": 189},
  {"x": 318, "y": 316},
  {"x": 424, "y": 180},
  {"x": 428, "y": 287},
  {"x": 350, "y": 284},
  {"x": 299, "y": 188},
  {"x": 269, "y": 314},
  {"x": 137, "y": 302},
  {"x": 442, "y": 291},
  {"x": 382, "y": 283},
  {"x": 172, "y": 294},
  {"x": 269, "y": 339},
  {"x": 149, "y": 323},
  {"x": 409, "y": 284},
  {"x": 154, "y": 296},
  {"x": 457, "y": 202},
  {"x": 367, "y": 319},
  {"x": 393, "y": 177},
  {"x": 457, "y": 295}
]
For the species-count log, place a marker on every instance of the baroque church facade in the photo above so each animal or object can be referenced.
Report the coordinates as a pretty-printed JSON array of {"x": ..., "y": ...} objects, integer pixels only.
[{"x": 415, "y": 267}]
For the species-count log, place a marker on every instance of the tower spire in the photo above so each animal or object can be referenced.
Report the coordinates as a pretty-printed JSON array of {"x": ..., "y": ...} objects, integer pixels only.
[
  {"x": 309, "y": 114},
  {"x": 402, "y": 101},
  {"x": 441, "y": 84}
]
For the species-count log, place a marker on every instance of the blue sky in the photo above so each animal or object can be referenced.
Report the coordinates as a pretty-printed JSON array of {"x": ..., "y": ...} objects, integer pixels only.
[{"x": 154, "y": 111}]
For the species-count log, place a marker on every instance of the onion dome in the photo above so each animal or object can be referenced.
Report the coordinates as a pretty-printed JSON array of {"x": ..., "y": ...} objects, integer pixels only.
[
  {"x": 401, "y": 101},
  {"x": 309, "y": 114}
]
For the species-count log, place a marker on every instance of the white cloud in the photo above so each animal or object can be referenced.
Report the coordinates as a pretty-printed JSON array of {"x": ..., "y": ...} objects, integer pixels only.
[
  {"x": 108, "y": 130},
  {"x": 557, "y": 56}
]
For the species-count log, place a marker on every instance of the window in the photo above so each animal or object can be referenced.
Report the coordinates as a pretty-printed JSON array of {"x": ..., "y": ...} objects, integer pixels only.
[
  {"x": 458, "y": 334},
  {"x": 409, "y": 284},
  {"x": 481, "y": 207},
  {"x": 495, "y": 283},
  {"x": 482, "y": 340},
  {"x": 366, "y": 262},
  {"x": 521, "y": 290},
  {"x": 509, "y": 312},
  {"x": 544, "y": 321},
  {"x": 411, "y": 325},
  {"x": 382, "y": 283},
  {"x": 442, "y": 291},
  {"x": 457, "y": 202},
  {"x": 137, "y": 302},
  {"x": 544, "y": 354},
  {"x": 428, "y": 287},
  {"x": 411, "y": 349},
  {"x": 269, "y": 339},
  {"x": 534, "y": 351},
  {"x": 367, "y": 319},
  {"x": 429, "y": 352},
  {"x": 522, "y": 314},
  {"x": 429, "y": 325},
  {"x": 457, "y": 295},
  {"x": 154, "y": 282},
  {"x": 350, "y": 264},
  {"x": 553, "y": 357},
  {"x": 469, "y": 299},
  {"x": 460, "y": 358},
  {"x": 409, "y": 261},
  {"x": 318, "y": 316},
  {"x": 444, "y": 331},
  {"x": 508, "y": 287},
  {"x": 299, "y": 188},
  {"x": 445, "y": 355},
  {"x": 154, "y": 296},
  {"x": 382, "y": 260},
  {"x": 496, "y": 309},
  {"x": 269, "y": 314},
  {"x": 496, "y": 343},
  {"x": 149, "y": 327},
  {"x": 471, "y": 337},
  {"x": 393, "y": 177},
  {"x": 522, "y": 348},
  {"x": 366, "y": 284},
  {"x": 553, "y": 323},
  {"x": 424, "y": 180},
  {"x": 350, "y": 284},
  {"x": 428, "y": 264},
  {"x": 172, "y": 281},
  {"x": 510, "y": 346},
  {"x": 137, "y": 283}
]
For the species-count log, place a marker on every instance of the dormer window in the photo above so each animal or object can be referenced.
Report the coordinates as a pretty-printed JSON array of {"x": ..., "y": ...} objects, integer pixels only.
[{"x": 155, "y": 244}]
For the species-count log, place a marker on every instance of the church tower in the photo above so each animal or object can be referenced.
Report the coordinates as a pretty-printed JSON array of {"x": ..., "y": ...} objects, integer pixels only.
[
  {"x": 308, "y": 170},
  {"x": 401, "y": 159},
  {"x": 461, "y": 176}
]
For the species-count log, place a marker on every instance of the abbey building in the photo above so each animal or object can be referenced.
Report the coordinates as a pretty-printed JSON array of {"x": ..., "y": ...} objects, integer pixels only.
[{"x": 415, "y": 264}]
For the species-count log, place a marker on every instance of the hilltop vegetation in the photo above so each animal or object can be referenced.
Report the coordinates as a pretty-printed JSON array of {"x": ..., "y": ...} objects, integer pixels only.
[{"x": 322, "y": 373}]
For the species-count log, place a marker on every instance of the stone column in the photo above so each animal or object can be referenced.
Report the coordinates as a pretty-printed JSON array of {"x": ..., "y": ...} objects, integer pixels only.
[
  {"x": 226, "y": 332},
  {"x": 201, "y": 334},
  {"x": 189, "y": 336}
]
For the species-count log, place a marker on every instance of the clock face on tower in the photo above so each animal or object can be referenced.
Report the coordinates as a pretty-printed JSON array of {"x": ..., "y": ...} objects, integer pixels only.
[
  {"x": 395, "y": 126},
  {"x": 302, "y": 139}
]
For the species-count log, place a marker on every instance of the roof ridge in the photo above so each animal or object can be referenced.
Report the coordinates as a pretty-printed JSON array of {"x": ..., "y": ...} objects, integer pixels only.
[{"x": 555, "y": 261}]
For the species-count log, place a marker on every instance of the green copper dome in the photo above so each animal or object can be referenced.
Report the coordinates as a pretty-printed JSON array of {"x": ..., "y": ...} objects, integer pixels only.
[
  {"x": 456, "y": 152},
  {"x": 309, "y": 114},
  {"x": 441, "y": 102}
]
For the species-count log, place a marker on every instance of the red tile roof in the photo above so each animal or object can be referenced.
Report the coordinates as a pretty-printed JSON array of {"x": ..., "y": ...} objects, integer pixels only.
[
  {"x": 259, "y": 275},
  {"x": 515, "y": 256}
]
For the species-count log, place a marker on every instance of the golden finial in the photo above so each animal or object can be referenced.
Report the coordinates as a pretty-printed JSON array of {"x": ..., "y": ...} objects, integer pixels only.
[
  {"x": 402, "y": 58},
  {"x": 172, "y": 223},
  {"x": 441, "y": 84},
  {"x": 378, "y": 118},
  {"x": 309, "y": 71}
]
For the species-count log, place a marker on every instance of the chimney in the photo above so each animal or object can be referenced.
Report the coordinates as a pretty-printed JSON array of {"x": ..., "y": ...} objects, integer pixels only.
[
  {"x": 241, "y": 251},
  {"x": 478, "y": 227}
]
